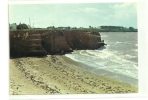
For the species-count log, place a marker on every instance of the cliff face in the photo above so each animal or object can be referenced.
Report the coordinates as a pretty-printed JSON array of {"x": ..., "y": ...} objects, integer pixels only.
[
  {"x": 82, "y": 39},
  {"x": 26, "y": 43},
  {"x": 43, "y": 42},
  {"x": 54, "y": 42}
]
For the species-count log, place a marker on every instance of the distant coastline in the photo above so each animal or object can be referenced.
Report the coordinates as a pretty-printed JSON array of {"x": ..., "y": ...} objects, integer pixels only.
[
  {"x": 93, "y": 30},
  {"x": 102, "y": 28}
]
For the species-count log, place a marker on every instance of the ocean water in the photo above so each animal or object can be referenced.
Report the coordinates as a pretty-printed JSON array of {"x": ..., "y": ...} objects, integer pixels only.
[{"x": 118, "y": 59}]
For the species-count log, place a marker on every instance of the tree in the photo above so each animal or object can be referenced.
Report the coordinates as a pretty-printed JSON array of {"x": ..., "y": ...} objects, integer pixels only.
[
  {"x": 22, "y": 26},
  {"x": 131, "y": 28}
]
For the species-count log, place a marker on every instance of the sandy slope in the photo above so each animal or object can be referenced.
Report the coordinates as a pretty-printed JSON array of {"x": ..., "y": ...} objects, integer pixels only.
[{"x": 59, "y": 75}]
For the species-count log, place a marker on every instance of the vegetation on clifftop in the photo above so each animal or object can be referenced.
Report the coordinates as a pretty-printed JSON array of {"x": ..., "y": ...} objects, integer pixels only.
[
  {"x": 22, "y": 26},
  {"x": 90, "y": 28}
]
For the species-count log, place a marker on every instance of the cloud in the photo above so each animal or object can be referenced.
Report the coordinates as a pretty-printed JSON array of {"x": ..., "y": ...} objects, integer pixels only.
[
  {"x": 124, "y": 10},
  {"x": 75, "y": 14},
  {"x": 124, "y": 14},
  {"x": 125, "y": 5},
  {"x": 86, "y": 10},
  {"x": 90, "y": 10}
]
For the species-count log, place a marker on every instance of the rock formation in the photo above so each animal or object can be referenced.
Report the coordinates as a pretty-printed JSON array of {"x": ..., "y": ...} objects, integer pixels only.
[
  {"x": 43, "y": 42},
  {"x": 82, "y": 39}
]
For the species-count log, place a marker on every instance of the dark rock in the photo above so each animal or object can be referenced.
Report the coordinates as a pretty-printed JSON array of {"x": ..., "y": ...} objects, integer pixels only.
[{"x": 43, "y": 42}]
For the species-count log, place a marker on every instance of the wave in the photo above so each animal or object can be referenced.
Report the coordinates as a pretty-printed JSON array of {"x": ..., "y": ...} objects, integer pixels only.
[
  {"x": 107, "y": 60},
  {"x": 118, "y": 42},
  {"x": 129, "y": 56}
]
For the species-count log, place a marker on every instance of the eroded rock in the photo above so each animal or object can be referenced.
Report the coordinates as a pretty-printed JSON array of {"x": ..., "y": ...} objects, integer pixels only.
[{"x": 43, "y": 42}]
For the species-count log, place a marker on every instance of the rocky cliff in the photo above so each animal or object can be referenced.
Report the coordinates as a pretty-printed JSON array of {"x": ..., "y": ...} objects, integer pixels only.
[
  {"x": 43, "y": 42},
  {"x": 82, "y": 39},
  {"x": 54, "y": 42}
]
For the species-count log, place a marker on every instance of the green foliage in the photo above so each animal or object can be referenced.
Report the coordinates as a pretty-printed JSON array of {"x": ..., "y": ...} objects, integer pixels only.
[
  {"x": 22, "y": 26},
  {"x": 116, "y": 29},
  {"x": 131, "y": 28}
]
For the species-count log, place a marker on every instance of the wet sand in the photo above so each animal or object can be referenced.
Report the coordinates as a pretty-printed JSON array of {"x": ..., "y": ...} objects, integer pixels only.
[
  {"x": 59, "y": 75},
  {"x": 117, "y": 76}
]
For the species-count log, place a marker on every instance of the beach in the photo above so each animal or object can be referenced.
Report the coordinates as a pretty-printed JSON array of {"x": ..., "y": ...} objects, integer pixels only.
[{"x": 57, "y": 74}]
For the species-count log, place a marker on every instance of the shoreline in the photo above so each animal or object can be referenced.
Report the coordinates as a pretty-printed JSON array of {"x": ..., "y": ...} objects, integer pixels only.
[
  {"x": 59, "y": 75},
  {"x": 102, "y": 72}
]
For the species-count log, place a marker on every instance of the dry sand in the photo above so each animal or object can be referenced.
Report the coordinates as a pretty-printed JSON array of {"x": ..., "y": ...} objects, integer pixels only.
[{"x": 59, "y": 75}]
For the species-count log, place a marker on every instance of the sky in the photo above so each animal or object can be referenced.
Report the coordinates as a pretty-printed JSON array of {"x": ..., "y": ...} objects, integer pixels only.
[{"x": 75, "y": 14}]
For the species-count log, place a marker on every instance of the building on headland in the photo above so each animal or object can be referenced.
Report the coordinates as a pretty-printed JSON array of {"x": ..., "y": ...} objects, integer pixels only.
[{"x": 13, "y": 26}]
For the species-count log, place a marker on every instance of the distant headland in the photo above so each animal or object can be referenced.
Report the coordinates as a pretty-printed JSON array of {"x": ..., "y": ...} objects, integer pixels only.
[{"x": 102, "y": 28}]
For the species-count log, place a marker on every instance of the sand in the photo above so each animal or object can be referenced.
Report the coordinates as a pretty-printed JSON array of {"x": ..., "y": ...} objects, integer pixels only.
[{"x": 57, "y": 74}]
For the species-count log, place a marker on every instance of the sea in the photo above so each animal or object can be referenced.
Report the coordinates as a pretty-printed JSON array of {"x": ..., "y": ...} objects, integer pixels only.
[{"x": 118, "y": 59}]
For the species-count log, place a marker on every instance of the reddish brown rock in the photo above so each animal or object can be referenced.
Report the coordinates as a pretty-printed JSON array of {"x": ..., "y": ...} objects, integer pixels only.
[
  {"x": 41, "y": 42},
  {"x": 54, "y": 42},
  {"x": 82, "y": 39}
]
